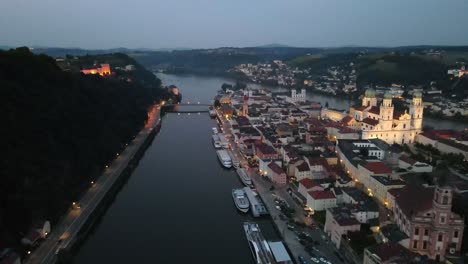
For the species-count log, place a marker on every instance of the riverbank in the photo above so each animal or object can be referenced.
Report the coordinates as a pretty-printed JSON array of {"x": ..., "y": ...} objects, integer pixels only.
[
  {"x": 95, "y": 217},
  {"x": 69, "y": 230}
]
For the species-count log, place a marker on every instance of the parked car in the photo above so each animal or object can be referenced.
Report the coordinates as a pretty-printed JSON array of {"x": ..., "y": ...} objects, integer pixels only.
[{"x": 302, "y": 260}]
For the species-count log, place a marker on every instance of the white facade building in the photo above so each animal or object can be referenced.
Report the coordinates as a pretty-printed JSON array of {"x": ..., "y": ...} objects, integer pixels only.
[{"x": 384, "y": 123}]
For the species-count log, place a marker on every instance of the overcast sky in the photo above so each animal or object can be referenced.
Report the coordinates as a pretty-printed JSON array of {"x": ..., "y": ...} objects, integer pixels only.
[{"x": 234, "y": 23}]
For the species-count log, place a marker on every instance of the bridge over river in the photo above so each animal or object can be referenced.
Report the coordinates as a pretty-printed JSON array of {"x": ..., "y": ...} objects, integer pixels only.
[{"x": 186, "y": 108}]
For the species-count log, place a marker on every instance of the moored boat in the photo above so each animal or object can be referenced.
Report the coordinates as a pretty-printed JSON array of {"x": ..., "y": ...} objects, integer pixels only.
[
  {"x": 259, "y": 247},
  {"x": 216, "y": 142},
  {"x": 244, "y": 177},
  {"x": 224, "y": 158},
  {"x": 224, "y": 142},
  {"x": 241, "y": 201}
]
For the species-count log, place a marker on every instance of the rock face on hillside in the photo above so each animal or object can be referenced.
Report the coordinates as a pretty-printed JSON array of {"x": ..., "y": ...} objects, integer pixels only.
[{"x": 173, "y": 95}]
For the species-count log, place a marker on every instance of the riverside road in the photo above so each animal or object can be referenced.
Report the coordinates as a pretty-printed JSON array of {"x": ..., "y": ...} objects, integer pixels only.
[{"x": 64, "y": 233}]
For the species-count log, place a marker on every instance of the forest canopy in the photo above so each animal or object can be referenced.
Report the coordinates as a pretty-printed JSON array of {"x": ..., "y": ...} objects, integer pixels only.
[{"x": 59, "y": 130}]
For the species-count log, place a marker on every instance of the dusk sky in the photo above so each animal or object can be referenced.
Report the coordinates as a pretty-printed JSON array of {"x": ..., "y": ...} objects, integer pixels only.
[{"x": 234, "y": 23}]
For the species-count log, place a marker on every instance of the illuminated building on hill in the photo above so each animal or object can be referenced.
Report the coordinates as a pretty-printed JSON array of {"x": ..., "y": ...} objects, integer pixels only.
[{"x": 103, "y": 70}]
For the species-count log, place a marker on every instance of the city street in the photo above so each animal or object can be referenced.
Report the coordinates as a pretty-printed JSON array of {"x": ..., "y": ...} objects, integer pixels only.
[{"x": 65, "y": 231}]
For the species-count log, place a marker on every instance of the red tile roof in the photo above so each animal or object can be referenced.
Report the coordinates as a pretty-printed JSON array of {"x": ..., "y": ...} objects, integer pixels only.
[
  {"x": 375, "y": 110},
  {"x": 393, "y": 253},
  {"x": 322, "y": 195},
  {"x": 308, "y": 183},
  {"x": 361, "y": 108},
  {"x": 378, "y": 167},
  {"x": 346, "y": 119},
  {"x": 407, "y": 159},
  {"x": 370, "y": 121},
  {"x": 266, "y": 149},
  {"x": 317, "y": 161},
  {"x": 414, "y": 198},
  {"x": 346, "y": 130},
  {"x": 275, "y": 168},
  {"x": 438, "y": 134},
  {"x": 303, "y": 167}
]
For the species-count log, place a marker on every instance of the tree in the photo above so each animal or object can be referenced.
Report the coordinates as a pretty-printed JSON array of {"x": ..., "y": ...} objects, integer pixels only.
[{"x": 217, "y": 103}]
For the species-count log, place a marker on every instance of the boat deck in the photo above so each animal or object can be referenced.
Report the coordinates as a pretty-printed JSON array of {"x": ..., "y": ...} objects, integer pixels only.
[
  {"x": 235, "y": 160},
  {"x": 259, "y": 246},
  {"x": 256, "y": 204}
]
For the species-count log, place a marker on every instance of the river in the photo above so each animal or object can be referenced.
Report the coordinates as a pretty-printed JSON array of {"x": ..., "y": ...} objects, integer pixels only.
[{"x": 176, "y": 206}]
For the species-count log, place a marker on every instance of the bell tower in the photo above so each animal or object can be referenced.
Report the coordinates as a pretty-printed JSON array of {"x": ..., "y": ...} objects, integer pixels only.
[
  {"x": 416, "y": 112},
  {"x": 386, "y": 112},
  {"x": 442, "y": 205}
]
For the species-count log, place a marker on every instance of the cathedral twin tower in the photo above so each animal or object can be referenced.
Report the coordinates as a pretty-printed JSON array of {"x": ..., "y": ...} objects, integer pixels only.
[{"x": 385, "y": 123}]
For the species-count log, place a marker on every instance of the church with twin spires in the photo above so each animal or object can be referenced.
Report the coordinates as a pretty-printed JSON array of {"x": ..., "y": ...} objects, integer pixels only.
[{"x": 383, "y": 122}]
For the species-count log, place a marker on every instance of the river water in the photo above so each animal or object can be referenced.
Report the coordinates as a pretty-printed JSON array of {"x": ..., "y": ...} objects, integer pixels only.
[{"x": 176, "y": 207}]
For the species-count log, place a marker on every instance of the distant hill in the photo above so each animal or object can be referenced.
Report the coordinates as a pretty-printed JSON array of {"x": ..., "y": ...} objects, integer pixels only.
[
  {"x": 62, "y": 52},
  {"x": 403, "y": 69},
  {"x": 274, "y": 45},
  {"x": 416, "y": 69}
]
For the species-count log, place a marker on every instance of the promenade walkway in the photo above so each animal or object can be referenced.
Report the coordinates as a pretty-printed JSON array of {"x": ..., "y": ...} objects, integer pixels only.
[{"x": 70, "y": 224}]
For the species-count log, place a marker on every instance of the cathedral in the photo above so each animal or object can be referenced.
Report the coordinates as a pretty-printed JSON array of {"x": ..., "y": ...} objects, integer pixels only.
[{"x": 383, "y": 122}]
